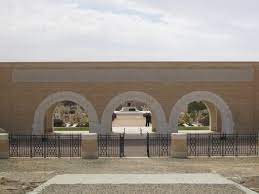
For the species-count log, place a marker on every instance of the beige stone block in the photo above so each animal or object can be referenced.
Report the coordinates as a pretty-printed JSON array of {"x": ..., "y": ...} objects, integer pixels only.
[
  {"x": 89, "y": 146},
  {"x": 179, "y": 145},
  {"x": 4, "y": 146}
]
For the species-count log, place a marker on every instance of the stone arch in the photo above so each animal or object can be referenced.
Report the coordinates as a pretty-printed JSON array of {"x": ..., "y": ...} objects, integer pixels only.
[
  {"x": 214, "y": 116},
  {"x": 156, "y": 108},
  {"x": 217, "y": 101},
  {"x": 38, "y": 122}
]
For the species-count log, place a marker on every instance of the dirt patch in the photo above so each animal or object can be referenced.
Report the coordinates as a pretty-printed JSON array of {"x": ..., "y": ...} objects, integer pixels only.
[
  {"x": 16, "y": 187},
  {"x": 250, "y": 182}
]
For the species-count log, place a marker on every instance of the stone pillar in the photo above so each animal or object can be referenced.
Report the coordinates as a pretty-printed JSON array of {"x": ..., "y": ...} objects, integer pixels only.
[
  {"x": 219, "y": 122},
  {"x": 49, "y": 119},
  {"x": 89, "y": 146},
  {"x": 4, "y": 146},
  {"x": 213, "y": 114},
  {"x": 179, "y": 145}
]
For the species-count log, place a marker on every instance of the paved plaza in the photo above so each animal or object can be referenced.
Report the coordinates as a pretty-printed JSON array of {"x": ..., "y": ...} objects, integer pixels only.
[{"x": 128, "y": 181}]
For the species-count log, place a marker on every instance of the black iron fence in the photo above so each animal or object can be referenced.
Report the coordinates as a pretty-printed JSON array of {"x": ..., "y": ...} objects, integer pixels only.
[
  {"x": 222, "y": 144},
  {"x": 158, "y": 145},
  {"x": 111, "y": 145},
  {"x": 45, "y": 145}
]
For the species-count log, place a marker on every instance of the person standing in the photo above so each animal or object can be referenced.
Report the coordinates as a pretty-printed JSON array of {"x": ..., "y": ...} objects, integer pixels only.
[{"x": 148, "y": 119}]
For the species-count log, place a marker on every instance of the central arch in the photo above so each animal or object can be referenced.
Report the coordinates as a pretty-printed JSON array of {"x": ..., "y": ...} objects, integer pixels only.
[
  {"x": 49, "y": 101},
  {"x": 156, "y": 108},
  {"x": 217, "y": 101}
]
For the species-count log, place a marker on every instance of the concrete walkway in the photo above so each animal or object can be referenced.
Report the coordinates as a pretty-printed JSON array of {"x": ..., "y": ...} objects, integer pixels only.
[{"x": 117, "y": 179}]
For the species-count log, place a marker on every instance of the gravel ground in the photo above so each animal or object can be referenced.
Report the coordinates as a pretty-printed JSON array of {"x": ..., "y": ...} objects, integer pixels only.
[
  {"x": 32, "y": 172},
  {"x": 143, "y": 189}
]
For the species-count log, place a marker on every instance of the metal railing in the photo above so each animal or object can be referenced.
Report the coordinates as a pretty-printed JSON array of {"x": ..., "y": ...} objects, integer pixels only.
[
  {"x": 158, "y": 145},
  {"x": 222, "y": 144},
  {"x": 111, "y": 145},
  {"x": 45, "y": 145}
]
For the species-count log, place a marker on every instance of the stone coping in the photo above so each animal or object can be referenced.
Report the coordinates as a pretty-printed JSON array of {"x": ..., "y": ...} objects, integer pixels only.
[{"x": 4, "y": 136}]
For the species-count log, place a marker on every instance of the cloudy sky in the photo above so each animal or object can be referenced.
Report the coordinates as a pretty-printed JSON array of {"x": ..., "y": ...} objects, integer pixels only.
[{"x": 122, "y": 30}]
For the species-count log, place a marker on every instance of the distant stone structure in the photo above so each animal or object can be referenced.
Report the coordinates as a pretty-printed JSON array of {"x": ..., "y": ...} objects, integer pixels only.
[{"x": 30, "y": 91}]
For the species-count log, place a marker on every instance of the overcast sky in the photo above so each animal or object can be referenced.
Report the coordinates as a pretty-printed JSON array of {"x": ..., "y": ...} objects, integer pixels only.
[{"x": 122, "y": 30}]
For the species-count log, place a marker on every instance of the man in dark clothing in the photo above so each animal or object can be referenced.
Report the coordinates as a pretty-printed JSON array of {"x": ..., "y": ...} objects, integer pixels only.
[{"x": 148, "y": 119}]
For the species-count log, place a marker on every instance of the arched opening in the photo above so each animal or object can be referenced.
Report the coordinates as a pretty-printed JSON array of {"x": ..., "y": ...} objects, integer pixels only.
[
  {"x": 221, "y": 119},
  {"x": 43, "y": 120},
  {"x": 133, "y": 117},
  {"x": 67, "y": 116},
  {"x": 199, "y": 117},
  {"x": 150, "y": 105}
]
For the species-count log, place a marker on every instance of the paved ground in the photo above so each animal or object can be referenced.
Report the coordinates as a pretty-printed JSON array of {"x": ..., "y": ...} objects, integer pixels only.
[
  {"x": 195, "y": 131},
  {"x": 135, "y": 148},
  {"x": 71, "y": 132},
  {"x": 22, "y": 175},
  {"x": 143, "y": 189},
  {"x": 172, "y": 178},
  {"x": 130, "y": 124},
  {"x": 137, "y": 130},
  {"x": 127, "y": 183}
]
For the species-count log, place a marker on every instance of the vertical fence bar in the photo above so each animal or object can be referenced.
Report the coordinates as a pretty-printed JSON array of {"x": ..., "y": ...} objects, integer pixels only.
[
  {"x": 223, "y": 144},
  {"x": 31, "y": 146},
  {"x": 9, "y": 138},
  {"x": 10, "y": 145},
  {"x": 169, "y": 145},
  {"x": 106, "y": 144},
  {"x": 147, "y": 144},
  {"x": 121, "y": 146},
  {"x": 256, "y": 144},
  {"x": 80, "y": 143},
  {"x": 209, "y": 148},
  {"x": 59, "y": 155},
  {"x": 18, "y": 153},
  {"x": 45, "y": 145},
  {"x": 159, "y": 144},
  {"x": 236, "y": 137},
  {"x": 195, "y": 144}
]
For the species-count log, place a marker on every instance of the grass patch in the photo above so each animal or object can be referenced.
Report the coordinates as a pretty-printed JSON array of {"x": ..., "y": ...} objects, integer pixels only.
[
  {"x": 71, "y": 128},
  {"x": 193, "y": 128}
]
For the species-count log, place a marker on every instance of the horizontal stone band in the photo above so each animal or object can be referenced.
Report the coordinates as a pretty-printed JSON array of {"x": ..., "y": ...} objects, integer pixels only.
[{"x": 131, "y": 75}]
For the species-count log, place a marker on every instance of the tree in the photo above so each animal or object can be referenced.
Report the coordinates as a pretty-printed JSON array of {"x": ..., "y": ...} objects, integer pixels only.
[
  {"x": 198, "y": 112},
  {"x": 196, "y": 107}
]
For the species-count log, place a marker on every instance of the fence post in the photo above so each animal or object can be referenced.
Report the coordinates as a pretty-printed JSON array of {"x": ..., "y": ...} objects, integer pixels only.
[
  {"x": 106, "y": 144},
  {"x": 43, "y": 140},
  {"x": 236, "y": 136},
  {"x": 147, "y": 144},
  {"x": 121, "y": 145},
  {"x": 59, "y": 144},
  {"x": 4, "y": 146},
  {"x": 209, "y": 144},
  {"x": 179, "y": 145},
  {"x": 89, "y": 147},
  {"x": 256, "y": 144},
  {"x": 31, "y": 145}
]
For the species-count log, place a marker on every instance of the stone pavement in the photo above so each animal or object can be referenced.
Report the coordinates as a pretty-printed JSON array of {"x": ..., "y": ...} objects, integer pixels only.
[
  {"x": 130, "y": 130},
  {"x": 141, "y": 179}
]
